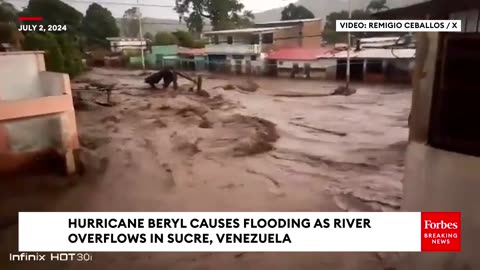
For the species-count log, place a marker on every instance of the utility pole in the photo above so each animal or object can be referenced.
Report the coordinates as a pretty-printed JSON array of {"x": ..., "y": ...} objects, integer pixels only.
[
  {"x": 141, "y": 34},
  {"x": 349, "y": 45}
]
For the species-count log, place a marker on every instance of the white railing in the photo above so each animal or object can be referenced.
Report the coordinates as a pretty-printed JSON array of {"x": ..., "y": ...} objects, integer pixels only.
[{"x": 233, "y": 49}]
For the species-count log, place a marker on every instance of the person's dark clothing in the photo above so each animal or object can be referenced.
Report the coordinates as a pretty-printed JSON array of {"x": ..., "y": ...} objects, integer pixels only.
[{"x": 168, "y": 77}]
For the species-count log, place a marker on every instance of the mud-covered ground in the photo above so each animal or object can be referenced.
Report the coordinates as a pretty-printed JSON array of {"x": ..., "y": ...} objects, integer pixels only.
[{"x": 236, "y": 150}]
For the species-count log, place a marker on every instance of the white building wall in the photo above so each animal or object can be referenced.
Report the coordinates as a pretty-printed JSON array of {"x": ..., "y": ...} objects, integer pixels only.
[
  {"x": 329, "y": 66},
  {"x": 321, "y": 63},
  {"x": 119, "y": 46},
  {"x": 435, "y": 179},
  {"x": 19, "y": 75},
  {"x": 22, "y": 76}
]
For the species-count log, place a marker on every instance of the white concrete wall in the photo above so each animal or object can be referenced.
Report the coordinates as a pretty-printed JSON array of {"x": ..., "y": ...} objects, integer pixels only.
[
  {"x": 229, "y": 49},
  {"x": 438, "y": 180},
  {"x": 329, "y": 64},
  {"x": 22, "y": 77},
  {"x": 237, "y": 38},
  {"x": 19, "y": 76},
  {"x": 51, "y": 83},
  {"x": 322, "y": 63}
]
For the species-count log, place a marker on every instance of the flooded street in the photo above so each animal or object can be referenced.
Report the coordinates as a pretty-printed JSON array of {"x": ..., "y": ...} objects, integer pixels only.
[{"x": 233, "y": 151}]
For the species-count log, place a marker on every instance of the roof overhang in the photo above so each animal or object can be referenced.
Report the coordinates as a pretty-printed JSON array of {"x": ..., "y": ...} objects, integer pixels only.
[
  {"x": 415, "y": 12},
  {"x": 247, "y": 30},
  {"x": 433, "y": 9}
]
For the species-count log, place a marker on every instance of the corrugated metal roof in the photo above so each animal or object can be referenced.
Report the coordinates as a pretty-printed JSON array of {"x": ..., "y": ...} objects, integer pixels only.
[
  {"x": 298, "y": 53},
  {"x": 247, "y": 30},
  {"x": 124, "y": 39},
  {"x": 290, "y": 21},
  {"x": 373, "y": 54},
  {"x": 378, "y": 39}
]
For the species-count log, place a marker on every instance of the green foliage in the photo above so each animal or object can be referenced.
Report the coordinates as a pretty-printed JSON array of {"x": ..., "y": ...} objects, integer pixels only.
[
  {"x": 62, "y": 48},
  {"x": 377, "y": 5},
  {"x": 99, "y": 24},
  {"x": 73, "y": 58},
  {"x": 131, "y": 23},
  {"x": 165, "y": 38},
  {"x": 294, "y": 12},
  {"x": 330, "y": 34},
  {"x": 8, "y": 13},
  {"x": 55, "y": 12},
  {"x": 8, "y": 26},
  {"x": 244, "y": 20},
  {"x": 221, "y": 13},
  {"x": 194, "y": 22},
  {"x": 149, "y": 36},
  {"x": 200, "y": 43},
  {"x": 185, "y": 39},
  {"x": 54, "y": 58}
]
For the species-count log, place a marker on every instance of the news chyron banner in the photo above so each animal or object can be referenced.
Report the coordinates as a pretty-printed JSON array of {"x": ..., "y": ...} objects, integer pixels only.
[
  {"x": 398, "y": 26},
  {"x": 239, "y": 232}
]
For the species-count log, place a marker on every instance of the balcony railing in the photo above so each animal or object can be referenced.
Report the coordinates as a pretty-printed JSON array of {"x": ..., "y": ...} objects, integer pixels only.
[{"x": 233, "y": 49}]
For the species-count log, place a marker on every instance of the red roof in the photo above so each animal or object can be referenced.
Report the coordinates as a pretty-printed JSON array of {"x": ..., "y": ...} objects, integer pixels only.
[
  {"x": 298, "y": 53},
  {"x": 191, "y": 51}
]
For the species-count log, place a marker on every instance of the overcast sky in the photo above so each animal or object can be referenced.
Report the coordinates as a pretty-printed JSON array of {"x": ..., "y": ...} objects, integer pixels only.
[{"x": 156, "y": 12}]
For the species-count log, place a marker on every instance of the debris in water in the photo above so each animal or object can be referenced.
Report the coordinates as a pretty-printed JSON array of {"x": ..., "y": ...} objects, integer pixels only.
[
  {"x": 271, "y": 179},
  {"x": 340, "y": 91},
  {"x": 344, "y": 91},
  {"x": 341, "y": 134},
  {"x": 293, "y": 95},
  {"x": 205, "y": 124},
  {"x": 248, "y": 86},
  {"x": 159, "y": 123},
  {"x": 110, "y": 118},
  {"x": 93, "y": 142},
  {"x": 226, "y": 87},
  {"x": 265, "y": 134},
  {"x": 193, "y": 109}
]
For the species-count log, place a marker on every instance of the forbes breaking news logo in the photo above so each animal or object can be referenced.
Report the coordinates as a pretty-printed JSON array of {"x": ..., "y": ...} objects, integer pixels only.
[{"x": 441, "y": 231}]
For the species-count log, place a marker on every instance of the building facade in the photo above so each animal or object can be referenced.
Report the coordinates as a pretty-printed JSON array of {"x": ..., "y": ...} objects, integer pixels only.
[
  {"x": 303, "y": 63},
  {"x": 443, "y": 155},
  {"x": 126, "y": 45},
  {"x": 245, "y": 50}
]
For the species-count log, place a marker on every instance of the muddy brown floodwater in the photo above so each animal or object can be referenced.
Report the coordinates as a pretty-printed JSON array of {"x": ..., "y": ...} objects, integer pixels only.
[{"x": 237, "y": 150}]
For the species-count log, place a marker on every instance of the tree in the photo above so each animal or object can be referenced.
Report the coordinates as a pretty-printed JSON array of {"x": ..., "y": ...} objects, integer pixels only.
[
  {"x": 63, "y": 48},
  {"x": 165, "y": 38},
  {"x": 54, "y": 59},
  {"x": 221, "y": 13},
  {"x": 194, "y": 22},
  {"x": 10, "y": 34},
  {"x": 200, "y": 43},
  {"x": 148, "y": 36},
  {"x": 243, "y": 21},
  {"x": 71, "y": 52},
  {"x": 8, "y": 27},
  {"x": 131, "y": 22},
  {"x": 8, "y": 13},
  {"x": 330, "y": 34},
  {"x": 55, "y": 12},
  {"x": 294, "y": 12},
  {"x": 185, "y": 39},
  {"x": 377, "y": 5},
  {"x": 99, "y": 24}
]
